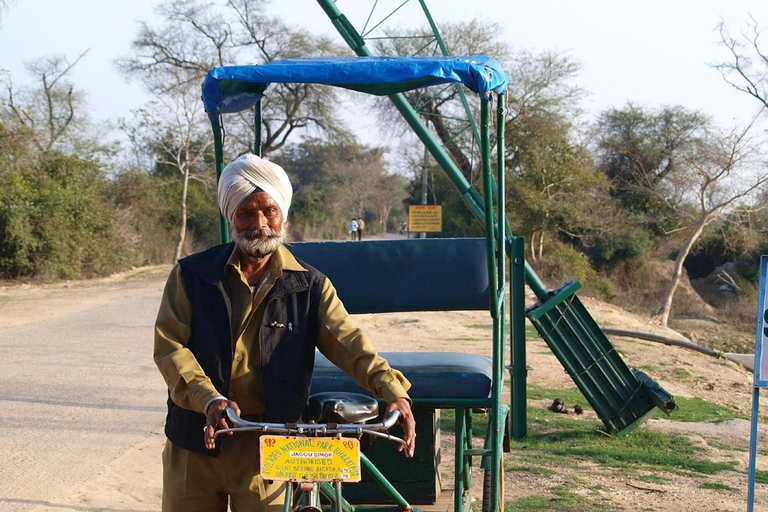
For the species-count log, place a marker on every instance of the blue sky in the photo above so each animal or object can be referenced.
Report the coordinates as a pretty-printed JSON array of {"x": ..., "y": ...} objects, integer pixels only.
[{"x": 652, "y": 52}]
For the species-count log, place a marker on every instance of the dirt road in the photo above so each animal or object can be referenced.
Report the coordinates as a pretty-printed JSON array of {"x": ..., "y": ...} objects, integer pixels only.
[{"x": 80, "y": 394}]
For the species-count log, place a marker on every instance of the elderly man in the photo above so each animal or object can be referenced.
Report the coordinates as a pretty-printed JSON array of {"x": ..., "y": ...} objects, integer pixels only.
[{"x": 238, "y": 326}]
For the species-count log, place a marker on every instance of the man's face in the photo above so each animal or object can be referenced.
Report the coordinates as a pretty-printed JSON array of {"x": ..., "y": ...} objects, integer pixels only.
[{"x": 258, "y": 225}]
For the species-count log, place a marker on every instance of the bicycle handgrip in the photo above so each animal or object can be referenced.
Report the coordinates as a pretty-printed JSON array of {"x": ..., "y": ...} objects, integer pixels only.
[{"x": 393, "y": 418}]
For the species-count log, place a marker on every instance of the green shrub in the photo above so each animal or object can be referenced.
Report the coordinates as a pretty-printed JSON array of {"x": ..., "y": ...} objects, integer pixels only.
[
  {"x": 562, "y": 262},
  {"x": 147, "y": 213},
  {"x": 631, "y": 243},
  {"x": 148, "y": 208},
  {"x": 56, "y": 219}
]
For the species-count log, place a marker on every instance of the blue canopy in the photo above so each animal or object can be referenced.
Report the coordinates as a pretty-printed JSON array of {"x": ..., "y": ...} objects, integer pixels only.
[{"x": 234, "y": 88}]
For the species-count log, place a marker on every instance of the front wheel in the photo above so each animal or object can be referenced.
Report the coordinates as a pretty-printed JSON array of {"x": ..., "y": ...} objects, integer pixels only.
[{"x": 488, "y": 488}]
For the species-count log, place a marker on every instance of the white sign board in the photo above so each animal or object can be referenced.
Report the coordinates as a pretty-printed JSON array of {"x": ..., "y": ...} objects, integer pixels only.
[{"x": 761, "y": 352}]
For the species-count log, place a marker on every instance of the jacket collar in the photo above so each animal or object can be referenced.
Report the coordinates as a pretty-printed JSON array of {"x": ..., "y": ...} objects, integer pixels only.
[
  {"x": 210, "y": 265},
  {"x": 211, "y": 269},
  {"x": 288, "y": 261}
]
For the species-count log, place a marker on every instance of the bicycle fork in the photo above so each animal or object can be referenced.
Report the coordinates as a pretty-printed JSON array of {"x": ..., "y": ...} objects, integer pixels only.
[{"x": 311, "y": 493}]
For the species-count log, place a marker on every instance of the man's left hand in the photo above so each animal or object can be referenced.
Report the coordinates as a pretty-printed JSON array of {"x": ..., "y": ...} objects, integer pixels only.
[{"x": 408, "y": 423}]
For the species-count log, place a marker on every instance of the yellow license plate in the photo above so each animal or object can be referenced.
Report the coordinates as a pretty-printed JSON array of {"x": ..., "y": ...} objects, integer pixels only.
[{"x": 314, "y": 459}]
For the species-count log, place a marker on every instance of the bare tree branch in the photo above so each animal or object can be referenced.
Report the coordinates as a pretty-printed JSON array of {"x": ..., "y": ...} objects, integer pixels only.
[
  {"x": 48, "y": 110},
  {"x": 747, "y": 69},
  {"x": 194, "y": 36}
]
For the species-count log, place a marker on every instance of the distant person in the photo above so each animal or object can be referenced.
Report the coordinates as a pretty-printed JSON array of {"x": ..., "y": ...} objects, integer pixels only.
[
  {"x": 353, "y": 229},
  {"x": 360, "y": 228},
  {"x": 404, "y": 228}
]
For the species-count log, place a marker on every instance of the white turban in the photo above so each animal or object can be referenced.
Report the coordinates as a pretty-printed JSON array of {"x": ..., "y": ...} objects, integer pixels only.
[{"x": 244, "y": 176}]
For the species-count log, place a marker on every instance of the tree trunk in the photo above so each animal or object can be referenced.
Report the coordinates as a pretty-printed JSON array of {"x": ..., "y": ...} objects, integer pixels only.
[
  {"x": 541, "y": 244},
  {"x": 183, "y": 223},
  {"x": 384, "y": 218},
  {"x": 532, "y": 246},
  {"x": 677, "y": 274}
]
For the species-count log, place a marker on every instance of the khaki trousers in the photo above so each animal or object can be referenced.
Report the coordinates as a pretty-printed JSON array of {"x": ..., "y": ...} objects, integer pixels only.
[{"x": 197, "y": 483}]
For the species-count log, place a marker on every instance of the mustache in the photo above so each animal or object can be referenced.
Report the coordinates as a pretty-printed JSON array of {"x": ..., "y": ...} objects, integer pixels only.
[{"x": 252, "y": 234}]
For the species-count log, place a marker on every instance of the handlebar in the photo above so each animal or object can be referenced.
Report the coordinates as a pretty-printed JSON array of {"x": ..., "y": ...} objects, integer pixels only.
[{"x": 313, "y": 429}]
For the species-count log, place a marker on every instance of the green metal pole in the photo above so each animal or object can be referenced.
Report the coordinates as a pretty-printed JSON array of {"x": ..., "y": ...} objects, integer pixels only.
[
  {"x": 470, "y": 195},
  {"x": 329, "y": 491},
  {"x": 338, "y": 498},
  {"x": 493, "y": 285},
  {"x": 218, "y": 152},
  {"x": 502, "y": 244},
  {"x": 519, "y": 368},
  {"x": 498, "y": 343},
  {"x": 458, "y": 87},
  {"x": 257, "y": 129},
  {"x": 469, "y": 436},
  {"x": 501, "y": 200},
  {"x": 490, "y": 235},
  {"x": 458, "y": 463},
  {"x": 384, "y": 483},
  {"x": 288, "y": 500}
]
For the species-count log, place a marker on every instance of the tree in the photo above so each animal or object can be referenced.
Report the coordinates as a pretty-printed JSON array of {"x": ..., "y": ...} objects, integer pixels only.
[
  {"x": 359, "y": 171},
  {"x": 195, "y": 36},
  {"x": 638, "y": 148},
  {"x": 747, "y": 69},
  {"x": 718, "y": 176},
  {"x": 388, "y": 195},
  {"x": 4, "y": 6},
  {"x": 334, "y": 182},
  {"x": 50, "y": 113},
  {"x": 172, "y": 129},
  {"x": 56, "y": 218},
  {"x": 552, "y": 189},
  {"x": 679, "y": 172}
]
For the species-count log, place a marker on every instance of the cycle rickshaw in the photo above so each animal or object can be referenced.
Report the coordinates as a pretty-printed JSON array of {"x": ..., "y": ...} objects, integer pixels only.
[{"x": 447, "y": 274}]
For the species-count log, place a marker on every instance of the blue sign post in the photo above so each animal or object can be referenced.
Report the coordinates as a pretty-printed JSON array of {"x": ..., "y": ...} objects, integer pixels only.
[{"x": 761, "y": 377}]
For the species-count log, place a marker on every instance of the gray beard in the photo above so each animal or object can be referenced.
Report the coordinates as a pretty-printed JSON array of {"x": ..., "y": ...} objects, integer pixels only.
[{"x": 250, "y": 244}]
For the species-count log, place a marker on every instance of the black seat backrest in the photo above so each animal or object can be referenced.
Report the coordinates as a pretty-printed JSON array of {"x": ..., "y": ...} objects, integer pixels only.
[{"x": 382, "y": 276}]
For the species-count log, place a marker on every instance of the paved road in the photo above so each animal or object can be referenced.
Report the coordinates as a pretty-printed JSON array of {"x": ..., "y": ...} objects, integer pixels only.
[{"x": 78, "y": 391}]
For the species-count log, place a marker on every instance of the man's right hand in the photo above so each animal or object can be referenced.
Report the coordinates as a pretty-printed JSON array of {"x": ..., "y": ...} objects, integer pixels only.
[{"x": 216, "y": 418}]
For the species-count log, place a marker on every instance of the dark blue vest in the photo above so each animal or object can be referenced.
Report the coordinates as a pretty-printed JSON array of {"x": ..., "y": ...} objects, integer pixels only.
[{"x": 286, "y": 355}]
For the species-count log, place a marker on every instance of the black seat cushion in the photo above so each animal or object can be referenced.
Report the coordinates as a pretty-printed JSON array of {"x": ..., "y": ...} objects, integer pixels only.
[
  {"x": 435, "y": 375},
  {"x": 338, "y": 407}
]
